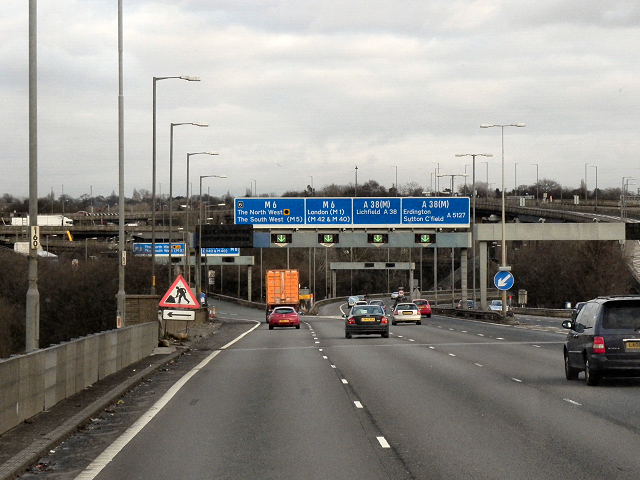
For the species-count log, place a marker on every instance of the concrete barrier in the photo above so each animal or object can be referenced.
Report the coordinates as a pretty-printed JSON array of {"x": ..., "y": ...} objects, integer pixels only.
[{"x": 36, "y": 381}]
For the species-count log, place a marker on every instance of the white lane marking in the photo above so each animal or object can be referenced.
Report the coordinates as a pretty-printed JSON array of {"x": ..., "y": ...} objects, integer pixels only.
[
  {"x": 432, "y": 348},
  {"x": 399, "y": 336},
  {"x": 358, "y": 404},
  {"x": 499, "y": 338},
  {"x": 536, "y": 346},
  {"x": 451, "y": 355},
  {"x": 325, "y": 357},
  {"x": 572, "y": 402},
  {"x": 344, "y": 380},
  {"x": 464, "y": 331},
  {"x": 383, "y": 442},
  {"x": 320, "y": 350},
  {"x": 517, "y": 380},
  {"x": 333, "y": 366},
  {"x": 112, "y": 450},
  {"x": 480, "y": 335},
  {"x": 317, "y": 342},
  {"x": 411, "y": 340},
  {"x": 478, "y": 364}
]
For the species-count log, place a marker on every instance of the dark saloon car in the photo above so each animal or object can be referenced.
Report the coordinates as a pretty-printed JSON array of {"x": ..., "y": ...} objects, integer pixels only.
[
  {"x": 366, "y": 320},
  {"x": 284, "y": 317},
  {"x": 604, "y": 339}
]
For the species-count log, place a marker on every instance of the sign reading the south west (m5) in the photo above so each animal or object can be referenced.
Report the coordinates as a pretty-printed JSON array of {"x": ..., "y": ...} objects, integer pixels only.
[
  {"x": 269, "y": 211},
  {"x": 162, "y": 249},
  {"x": 448, "y": 211}
]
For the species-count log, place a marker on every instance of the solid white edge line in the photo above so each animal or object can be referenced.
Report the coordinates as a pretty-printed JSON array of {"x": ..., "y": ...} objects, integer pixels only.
[
  {"x": 112, "y": 450},
  {"x": 383, "y": 442}
]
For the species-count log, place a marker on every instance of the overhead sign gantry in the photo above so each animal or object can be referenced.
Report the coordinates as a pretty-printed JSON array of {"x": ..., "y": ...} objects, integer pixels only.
[{"x": 355, "y": 212}]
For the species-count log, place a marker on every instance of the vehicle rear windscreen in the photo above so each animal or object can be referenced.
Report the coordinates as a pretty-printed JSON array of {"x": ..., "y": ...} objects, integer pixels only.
[{"x": 621, "y": 315}]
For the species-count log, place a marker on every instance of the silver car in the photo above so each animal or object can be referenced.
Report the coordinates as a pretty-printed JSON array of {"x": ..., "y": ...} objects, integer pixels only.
[{"x": 406, "y": 312}]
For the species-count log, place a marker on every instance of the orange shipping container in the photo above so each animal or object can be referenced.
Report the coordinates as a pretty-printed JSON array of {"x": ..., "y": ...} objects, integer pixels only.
[{"x": 282, "y": 287}]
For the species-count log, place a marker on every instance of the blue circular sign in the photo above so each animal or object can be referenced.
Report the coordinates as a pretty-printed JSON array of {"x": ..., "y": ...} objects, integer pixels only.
[{"x": 503, "y": 280}]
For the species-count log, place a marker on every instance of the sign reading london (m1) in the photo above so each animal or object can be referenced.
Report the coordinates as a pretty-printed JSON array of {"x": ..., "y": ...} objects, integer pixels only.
[{"x": 446, "y": 212}]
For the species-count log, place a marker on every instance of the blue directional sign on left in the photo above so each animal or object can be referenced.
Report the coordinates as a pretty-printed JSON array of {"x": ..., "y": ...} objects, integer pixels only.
[
  {"x": 269, "y": 211},
  {"x": 503, "y": 280}
]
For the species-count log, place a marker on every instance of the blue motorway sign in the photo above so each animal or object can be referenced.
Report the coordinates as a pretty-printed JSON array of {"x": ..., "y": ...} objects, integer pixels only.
[
  {"x": 376, "y": 211},
  {"x": 435, "y": 211},
  {"x": 220, "y": 252},
  {"x": 270, "y": 211},
  {"x": 162, "y": 249},
  {"x": 503, "y": 280},
  {"x": 446, "y": 212},
  {"x": 328, "y": 211}
]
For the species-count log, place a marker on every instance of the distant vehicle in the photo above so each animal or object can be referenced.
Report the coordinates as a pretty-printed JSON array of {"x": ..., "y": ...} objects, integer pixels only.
[
  {"x": 379, "y": 303},
  {"x": 604, "y": 340},
  {"x": 394, "y": 295},
  {"x": 284, "y": 317},
  {"x": 366, "y": 320},
  {"x": 496, "y": 306},
  {"x": 360, "y": 302},
  {"x": 406, "y": 312},
  {"x": 361, "y": 297},
  {"x": 351, "y": 301},
  {"x": 424, "y": 307},
  {"x": 470, "y": 304},
  {"x": 52, "y": 220},
  {"x": 576, "y": 310}
]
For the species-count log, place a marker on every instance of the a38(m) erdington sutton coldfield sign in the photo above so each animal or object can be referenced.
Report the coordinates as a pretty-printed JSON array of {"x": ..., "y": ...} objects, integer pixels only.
[{"x": 361, "y": 212}]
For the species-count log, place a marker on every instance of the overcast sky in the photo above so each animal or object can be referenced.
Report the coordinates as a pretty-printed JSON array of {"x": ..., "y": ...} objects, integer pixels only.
[{"x": 296, "y": 91}]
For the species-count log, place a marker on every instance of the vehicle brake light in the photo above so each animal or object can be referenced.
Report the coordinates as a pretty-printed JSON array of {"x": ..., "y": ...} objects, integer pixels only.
[
  {"x": 384, "y": 320},
  {"x": 352, "y": 321},
  {"x": 598, "y": 345}
]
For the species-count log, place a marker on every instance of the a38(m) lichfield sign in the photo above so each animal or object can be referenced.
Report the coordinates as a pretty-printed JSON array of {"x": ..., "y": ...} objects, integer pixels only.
[{"x": 360, "y": 212}]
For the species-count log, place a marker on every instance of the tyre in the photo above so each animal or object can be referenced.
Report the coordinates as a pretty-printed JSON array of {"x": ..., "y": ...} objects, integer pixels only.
[
  {"x": 419, "y": 322},
  {"x": 298, "y": 327},
  {"x": 570, "y": 372},
  {"x": 393, "y": 322},
  {"x": 270, "y": 327},
  {"x": 429, "y": 316},
  {"x": 385, "y": 335},
  {"x": 592, "y": 378},
  {"x": 347, "y": 335}
]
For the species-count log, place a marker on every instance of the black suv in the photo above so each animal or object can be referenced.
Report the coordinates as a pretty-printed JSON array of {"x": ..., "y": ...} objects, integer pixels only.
[{"x": 604, "y": 339}]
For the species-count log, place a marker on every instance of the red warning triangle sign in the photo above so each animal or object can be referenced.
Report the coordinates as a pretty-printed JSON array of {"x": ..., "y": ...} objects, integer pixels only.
[{"x": 179, "y": 295}]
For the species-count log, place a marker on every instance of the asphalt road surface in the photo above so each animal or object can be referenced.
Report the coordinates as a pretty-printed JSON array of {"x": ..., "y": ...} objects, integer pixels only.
[{"x": 448, "y": 399}]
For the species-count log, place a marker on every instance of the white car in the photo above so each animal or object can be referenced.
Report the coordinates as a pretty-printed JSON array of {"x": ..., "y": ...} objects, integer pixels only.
[
  {"x": 496, "y": 306},
  {"x": 406, "y": 312}
]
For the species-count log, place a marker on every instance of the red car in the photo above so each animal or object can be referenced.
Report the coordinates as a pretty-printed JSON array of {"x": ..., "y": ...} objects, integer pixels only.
[
  {"x": 284, "y": 317},
  {"x": 424, "y": 307}
]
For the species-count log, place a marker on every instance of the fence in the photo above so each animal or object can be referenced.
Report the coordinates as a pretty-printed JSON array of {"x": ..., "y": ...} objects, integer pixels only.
[{"x": 38, "y": 380}]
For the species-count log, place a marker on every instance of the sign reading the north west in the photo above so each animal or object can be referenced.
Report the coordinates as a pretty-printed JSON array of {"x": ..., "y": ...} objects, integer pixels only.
[
  {"x": 439, "y": 212},
  {"x": 179, "y": 295},
  {"x": 269, "y": 211},
  {"x": 162, "y": 249}
]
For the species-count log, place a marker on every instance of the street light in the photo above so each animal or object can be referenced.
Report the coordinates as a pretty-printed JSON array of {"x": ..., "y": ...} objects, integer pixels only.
[
  {"x": 596, "y": 190},
  {"x": 199, "y": 251},
  {"x": 396, "y": 184},
  {"x": 515, "y": 179},
  {"x": 153, "y": 184},
  {"x": 452, "y": 176},
  {"x": 487, "y": 164},
  {"x": 171, "y": 190},
  {"x": 186, "y": 222},
  {"x": 355, "y": 194},
  {"x": 504, "y": 234},
  {"x": 537, "y": 181},
  {"x": 586, "y": 190},
  {"x": 473, "y": 216}
]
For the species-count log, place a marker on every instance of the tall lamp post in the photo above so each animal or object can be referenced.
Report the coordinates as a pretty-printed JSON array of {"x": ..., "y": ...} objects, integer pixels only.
[
  {"x": 586, "y": 190},
  {"x": 153, "y": 184},
  {"x": 537, "y": 182},
  {"x": 199, "y": 251},
  {"x": 596, "y": 190},
  {"x": 395, "y": 186},
  {"x": 504, "y": 235},
  {"x": 186, "y": 221},
  {"x": 171, "y": 190},
  {"x": 473, "y": 215}
]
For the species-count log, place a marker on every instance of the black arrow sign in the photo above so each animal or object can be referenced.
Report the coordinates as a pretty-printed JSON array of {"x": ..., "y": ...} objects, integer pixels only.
[{"x": 179, "y": 314}]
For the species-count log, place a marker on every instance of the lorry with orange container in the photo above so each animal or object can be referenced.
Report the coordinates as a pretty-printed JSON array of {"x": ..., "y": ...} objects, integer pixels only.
[{"x": 282, "y": 290}]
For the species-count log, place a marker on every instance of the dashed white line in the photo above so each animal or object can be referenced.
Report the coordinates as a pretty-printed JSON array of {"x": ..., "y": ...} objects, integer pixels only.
[
  {"x": 411, "y": 340},
  {"x": 358, "y": 404},
  {"x": 383, "y": 442},
  {"x": 499, "y": 338},
  {"x": 344, "y": 380},
  {"x": 325, "y": 357},
  {"x": 517, "y": 380},
  {"x": 572, "y": 402},
  {"x": 452, "y": 355},
  {"x": 333, "y": 366},
  {"x": 480, "y": 335},
  {"x": 536, "y": 346},
  {"x": 478, "y": 364}
]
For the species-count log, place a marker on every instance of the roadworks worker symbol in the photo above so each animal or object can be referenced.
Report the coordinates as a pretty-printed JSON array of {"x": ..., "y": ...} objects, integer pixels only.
[{"x": 179, "y": 295}]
